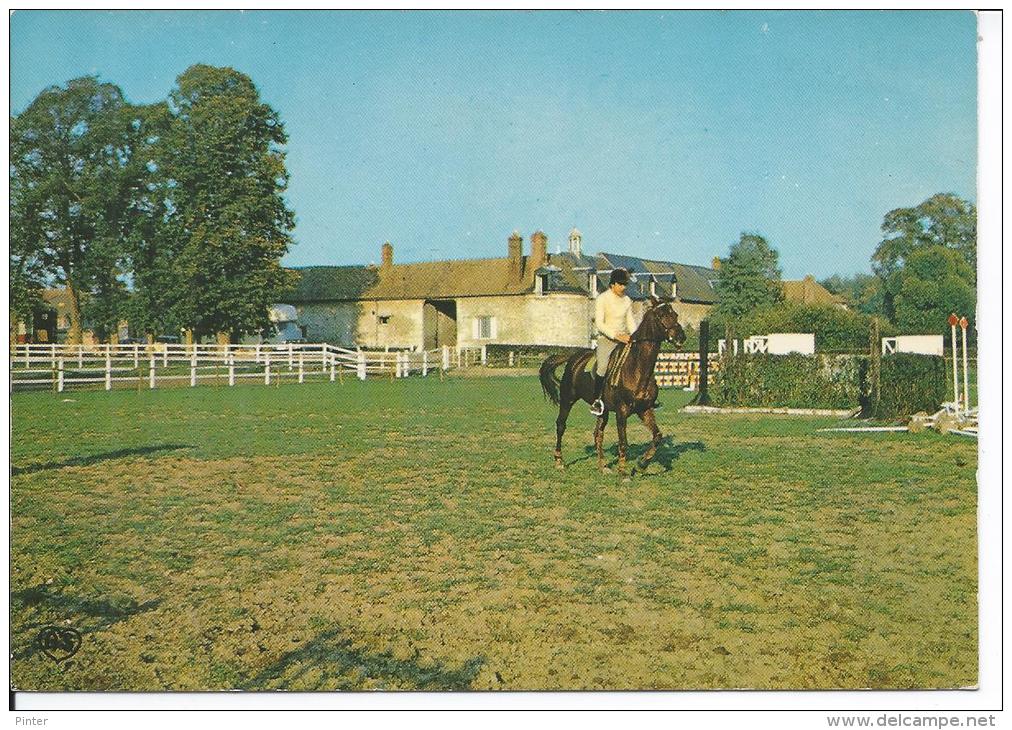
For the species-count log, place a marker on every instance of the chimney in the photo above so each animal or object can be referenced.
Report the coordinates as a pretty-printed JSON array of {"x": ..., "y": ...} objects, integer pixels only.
[
  {"x": 715, "y": 264},
  {"x": 387, "y": 253},
  {"x": 575, "y": 240},
  {"x": 539, "y": 249},
  {"x": 515, "y": 254}
]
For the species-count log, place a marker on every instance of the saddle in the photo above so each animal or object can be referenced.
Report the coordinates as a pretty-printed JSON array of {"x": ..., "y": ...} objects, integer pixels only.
[{"x": 618, "y": 357}]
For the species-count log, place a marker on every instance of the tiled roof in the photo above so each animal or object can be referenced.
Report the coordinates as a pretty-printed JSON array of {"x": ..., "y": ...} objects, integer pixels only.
[
  {"x": 492, "y": 277},
  {"x": 329, "y": 283},
  {"x": 809, "y": 291}
]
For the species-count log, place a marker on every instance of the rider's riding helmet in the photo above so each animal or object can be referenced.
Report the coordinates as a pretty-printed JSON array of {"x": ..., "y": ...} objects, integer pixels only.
[{"x": 619, "y": 276}]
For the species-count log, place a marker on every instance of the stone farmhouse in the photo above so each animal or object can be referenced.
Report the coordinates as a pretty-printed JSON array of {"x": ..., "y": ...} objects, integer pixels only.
[{"x": 520, "y": 299}]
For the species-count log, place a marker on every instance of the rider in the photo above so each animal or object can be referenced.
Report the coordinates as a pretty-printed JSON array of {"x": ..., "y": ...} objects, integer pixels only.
[{"x": 613, "y": 320}]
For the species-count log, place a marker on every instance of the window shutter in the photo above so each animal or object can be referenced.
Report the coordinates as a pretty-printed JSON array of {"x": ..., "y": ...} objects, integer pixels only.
[
  {"x": 494, "y": 328},
  {"x": 476, "y": 328}
]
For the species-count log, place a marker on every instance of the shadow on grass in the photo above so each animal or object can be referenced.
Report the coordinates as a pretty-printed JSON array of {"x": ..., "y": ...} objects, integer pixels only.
[
  {"x": 336, "y": 658},
  {"x": 96, "y": 458},
  {"x": 667, "y": 454},
  {"x": 84, "y": 614}
]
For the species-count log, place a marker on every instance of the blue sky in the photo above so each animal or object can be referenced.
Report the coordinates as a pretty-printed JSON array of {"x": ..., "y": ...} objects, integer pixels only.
[{"x": 660, "y": 134}]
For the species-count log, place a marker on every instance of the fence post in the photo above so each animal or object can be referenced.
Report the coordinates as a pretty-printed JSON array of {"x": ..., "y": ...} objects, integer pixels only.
[
  {"x": 425, "y": 363},
  {"x": 301, "y": 366},
  {"x": 446, "y": 357},
  {"x": 290, "y": 359},
  {"x": 333, "y": 367},
  {"x": 52, "y": 355},
  {"x": 267, "y": 368},
  {"x": 193, "y": 369},
  {"x": 511, "y": 358},
  {"x": 703, "y": 392},
  {"x": 361, "y": 365},
  {"x": 151, "y": 371},
  {"x": 59, "y": 376},
  {"x": 484, "y": 354},
  {"x": 80, "y": 356},
  {"x": 108, "y": 370},
  {"x": 28, "y": 356},
  {"x": 137, "y": 356},
  {"x": 231, "y": 370}
]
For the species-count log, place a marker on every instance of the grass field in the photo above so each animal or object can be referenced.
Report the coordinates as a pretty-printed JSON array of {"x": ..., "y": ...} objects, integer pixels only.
[{"x": 415, "y": 535}]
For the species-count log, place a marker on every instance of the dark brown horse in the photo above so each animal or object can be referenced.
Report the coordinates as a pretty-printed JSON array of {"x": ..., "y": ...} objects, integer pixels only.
[{"x": 634, "y": 392}]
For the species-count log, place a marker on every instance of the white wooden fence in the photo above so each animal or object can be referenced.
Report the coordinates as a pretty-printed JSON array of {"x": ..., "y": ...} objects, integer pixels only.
[{"x": 66, "y": 366}]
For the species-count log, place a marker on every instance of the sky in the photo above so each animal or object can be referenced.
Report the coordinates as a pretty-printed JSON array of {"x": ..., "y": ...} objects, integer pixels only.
[{"x": 662, "y": 135}]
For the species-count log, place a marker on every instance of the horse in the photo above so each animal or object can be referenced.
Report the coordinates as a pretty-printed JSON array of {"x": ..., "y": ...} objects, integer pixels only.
[{"x": 630, "y": 387}]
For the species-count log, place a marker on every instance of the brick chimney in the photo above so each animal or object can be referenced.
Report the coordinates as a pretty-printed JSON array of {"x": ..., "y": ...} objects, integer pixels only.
[
  {"x": 515, "y": 253},
  {"x": 387, "y": 256},
  {"x": 539, "y": 249}
]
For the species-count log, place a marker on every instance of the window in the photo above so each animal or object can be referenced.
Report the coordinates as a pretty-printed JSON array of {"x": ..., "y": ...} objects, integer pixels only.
[
  {"x": 541, "y": 285},
  {"x": 384, "y": 319},
  {"x": 485, "y": 328}
]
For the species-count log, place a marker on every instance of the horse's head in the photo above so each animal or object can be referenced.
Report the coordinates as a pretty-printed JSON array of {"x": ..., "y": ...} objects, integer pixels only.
[{"x": 666, "y": 320}]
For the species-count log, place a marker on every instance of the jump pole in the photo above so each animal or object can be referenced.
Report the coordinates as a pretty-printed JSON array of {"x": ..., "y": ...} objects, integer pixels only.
[
  {"x": 953, "y": 321},
  {"x": 963, "y": 322}
]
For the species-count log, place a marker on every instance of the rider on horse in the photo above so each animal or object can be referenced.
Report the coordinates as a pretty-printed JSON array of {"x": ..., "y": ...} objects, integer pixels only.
[{"x": 613, "y": 320}]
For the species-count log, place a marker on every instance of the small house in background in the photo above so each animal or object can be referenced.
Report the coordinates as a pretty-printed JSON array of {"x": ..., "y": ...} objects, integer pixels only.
[
  {"x": 537, "y": 298},
  {"x": 809, "y": 291}
]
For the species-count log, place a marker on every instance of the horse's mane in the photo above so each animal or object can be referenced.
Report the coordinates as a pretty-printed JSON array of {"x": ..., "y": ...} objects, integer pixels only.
[{"x": 650, "y": 328}]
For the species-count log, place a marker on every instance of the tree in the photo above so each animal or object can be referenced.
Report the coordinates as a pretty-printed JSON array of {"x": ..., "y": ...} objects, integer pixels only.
[
  {"x": 228, "y": 225},
  {"x": 864, "y": 292},
  {"x": 69, "y": 149},
  {"x": 934, "y": 282},
  {"x": 944, "y": 220},
  {"x": 749, "y": 277}
]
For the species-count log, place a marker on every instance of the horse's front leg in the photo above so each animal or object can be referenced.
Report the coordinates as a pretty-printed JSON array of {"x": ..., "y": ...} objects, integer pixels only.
[
  {"x": 650, "y": 421},
  {"x": 602, "y": 421}
]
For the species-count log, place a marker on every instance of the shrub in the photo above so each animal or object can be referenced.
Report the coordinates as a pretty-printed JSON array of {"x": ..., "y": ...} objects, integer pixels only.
[
  {"x": 788, "y": 381},
  {"x": 908, "y": 384},
  {"x": 835, "y": 329}
]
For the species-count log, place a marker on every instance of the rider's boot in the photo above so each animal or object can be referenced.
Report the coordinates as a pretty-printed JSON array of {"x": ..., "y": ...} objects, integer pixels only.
[{"x": 597, "y": 408}]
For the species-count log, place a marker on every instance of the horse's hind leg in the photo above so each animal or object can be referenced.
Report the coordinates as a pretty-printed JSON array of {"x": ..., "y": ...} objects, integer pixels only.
[
  {"x": 650, "y": 421},
  {"x": 560, "y": 429},
  {"x": 602, "y": 421}
]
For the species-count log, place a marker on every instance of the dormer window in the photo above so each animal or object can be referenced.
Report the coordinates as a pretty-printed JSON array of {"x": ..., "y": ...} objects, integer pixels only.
[{"x": 541, "y": 284}]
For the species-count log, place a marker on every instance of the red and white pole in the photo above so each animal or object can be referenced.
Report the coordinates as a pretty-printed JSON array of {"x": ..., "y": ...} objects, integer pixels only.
[
  {"x": 966, "y": 378},
  {"x": 953, "y": 321}
]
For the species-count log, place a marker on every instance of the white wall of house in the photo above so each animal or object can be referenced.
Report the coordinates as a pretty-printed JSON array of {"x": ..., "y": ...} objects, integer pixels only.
[{"x": 554, "y": 319}]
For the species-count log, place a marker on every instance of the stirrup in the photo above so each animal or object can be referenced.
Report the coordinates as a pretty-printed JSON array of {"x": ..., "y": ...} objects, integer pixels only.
[{"x": 597, "y": 408}]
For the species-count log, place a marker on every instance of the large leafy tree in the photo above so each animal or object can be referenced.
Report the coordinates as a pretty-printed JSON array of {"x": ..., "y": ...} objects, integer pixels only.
[
  {"x": 934, "y": 282},
  {"x": 69, "y": 151},
  {"x": 749, "y": 277},
  {"x": 227, "y": 224},
  {"x": 944, "y": 220}
]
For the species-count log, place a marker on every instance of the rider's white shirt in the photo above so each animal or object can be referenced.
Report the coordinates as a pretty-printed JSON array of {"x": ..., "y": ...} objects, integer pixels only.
[{"x": 613, "y": 315}]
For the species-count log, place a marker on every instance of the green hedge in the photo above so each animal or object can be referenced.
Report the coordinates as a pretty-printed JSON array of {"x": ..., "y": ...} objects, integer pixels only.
[
  {"x": 788, "y": 381},
  {"x": 908, "y": 384}
]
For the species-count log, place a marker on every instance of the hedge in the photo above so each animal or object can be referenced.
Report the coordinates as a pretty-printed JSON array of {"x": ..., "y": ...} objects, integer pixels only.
[
  {"x": 835, "y": 329},
  {"x": 788, "y": 381},
  {"x": 907, "y": 384}
]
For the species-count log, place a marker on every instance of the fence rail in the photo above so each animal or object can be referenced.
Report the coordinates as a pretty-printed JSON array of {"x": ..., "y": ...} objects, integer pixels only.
[{"x": 61, "y": 367}]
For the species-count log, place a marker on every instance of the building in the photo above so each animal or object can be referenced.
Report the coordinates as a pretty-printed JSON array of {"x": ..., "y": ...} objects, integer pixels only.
[
  {"x": 809, "y": 291},
  {"x": 534, "y": 299}
]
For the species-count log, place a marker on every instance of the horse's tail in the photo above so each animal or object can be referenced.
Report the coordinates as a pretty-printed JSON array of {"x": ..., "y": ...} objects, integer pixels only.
[{"x": 550, "y": 383}]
